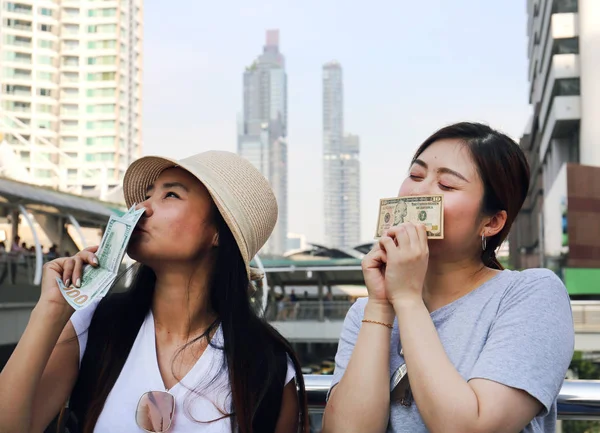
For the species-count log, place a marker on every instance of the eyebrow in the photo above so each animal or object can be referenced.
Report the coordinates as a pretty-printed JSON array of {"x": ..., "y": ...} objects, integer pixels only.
[
  {"x": 169, "y": 185},
  {"x": 441, "y": 170}
]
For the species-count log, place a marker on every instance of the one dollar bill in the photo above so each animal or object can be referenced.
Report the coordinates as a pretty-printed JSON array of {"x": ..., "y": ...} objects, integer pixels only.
[
  {"x": 96, "y": 281},
  {"x": 424, "y": 209}
]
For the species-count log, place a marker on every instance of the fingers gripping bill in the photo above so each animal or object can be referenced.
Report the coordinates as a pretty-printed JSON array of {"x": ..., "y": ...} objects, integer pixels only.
[
  {"x": 96, "y": 282},
  {"x": 424, "y": 209}
]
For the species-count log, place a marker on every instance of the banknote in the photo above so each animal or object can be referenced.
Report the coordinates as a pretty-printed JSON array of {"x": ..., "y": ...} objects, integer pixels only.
[
  {"x": 96, "y": 281},
  {"x": 424, "y": 209}
]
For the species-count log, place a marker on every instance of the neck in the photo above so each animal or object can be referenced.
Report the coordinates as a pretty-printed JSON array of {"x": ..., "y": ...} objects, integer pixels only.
[
  {"x": 181, "y": 303},
  {"x": 445, "y": 282}
]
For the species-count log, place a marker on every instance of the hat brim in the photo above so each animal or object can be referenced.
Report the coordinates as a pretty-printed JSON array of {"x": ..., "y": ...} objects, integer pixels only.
[{"x": 143, "y": 172}]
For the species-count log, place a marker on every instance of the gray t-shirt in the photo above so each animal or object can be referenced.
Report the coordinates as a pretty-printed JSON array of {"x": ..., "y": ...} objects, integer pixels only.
[{"x": 515, "y": 329}]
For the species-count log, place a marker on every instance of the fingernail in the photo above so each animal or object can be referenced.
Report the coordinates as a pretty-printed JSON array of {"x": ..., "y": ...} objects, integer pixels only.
[
  {"x": 95, "y": 260},
  {"x": 78, "y": 283},
  {"x": 68, "y": 282}
]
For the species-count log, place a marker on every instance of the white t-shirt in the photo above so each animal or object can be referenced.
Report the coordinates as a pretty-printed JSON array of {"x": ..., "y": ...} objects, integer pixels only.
[{"x": 140, "y": 374}]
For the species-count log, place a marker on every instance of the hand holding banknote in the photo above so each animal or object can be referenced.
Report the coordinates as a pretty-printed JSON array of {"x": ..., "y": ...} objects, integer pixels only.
[{"x": 66, "y": 269}]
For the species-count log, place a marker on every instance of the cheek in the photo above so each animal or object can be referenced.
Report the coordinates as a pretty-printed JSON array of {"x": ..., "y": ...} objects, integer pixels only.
[
  {"x": 405, "y": 188},
  {"x": 460, "y": 214}
]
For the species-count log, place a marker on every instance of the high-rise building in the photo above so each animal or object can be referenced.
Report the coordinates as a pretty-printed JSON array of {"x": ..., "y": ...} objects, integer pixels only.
[
  {"x": 71, "y": 90},
  {"x": 340, "y": 165},
  {"x": 262, "y": 130},
  {"x": 559, "y": 226}
]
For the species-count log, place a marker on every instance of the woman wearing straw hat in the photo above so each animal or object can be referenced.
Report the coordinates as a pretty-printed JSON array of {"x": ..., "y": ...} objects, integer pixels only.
[{"x": 182, "y": 349}]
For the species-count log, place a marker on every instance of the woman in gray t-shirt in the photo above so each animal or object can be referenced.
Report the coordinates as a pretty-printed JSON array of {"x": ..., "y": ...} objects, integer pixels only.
[{"x": 484, "y": 349}]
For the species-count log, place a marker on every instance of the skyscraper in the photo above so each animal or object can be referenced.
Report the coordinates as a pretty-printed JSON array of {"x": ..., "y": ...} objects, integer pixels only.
[
  {"x": 70, "y": 105},
  {"x": 262, "y": 131},
  {"x": 340, "y": 164}
]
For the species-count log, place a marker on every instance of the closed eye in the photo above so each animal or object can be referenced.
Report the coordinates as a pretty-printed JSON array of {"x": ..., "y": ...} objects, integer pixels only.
[
  {"x": 445, "y": 187},
  {"x": 415, "y": 177}
]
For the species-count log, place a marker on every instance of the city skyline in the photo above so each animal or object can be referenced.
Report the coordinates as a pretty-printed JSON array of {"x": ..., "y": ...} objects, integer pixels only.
[{"x": 408, "y": 71}]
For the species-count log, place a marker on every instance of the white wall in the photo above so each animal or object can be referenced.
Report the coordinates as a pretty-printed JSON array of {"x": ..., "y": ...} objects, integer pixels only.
[{"x": 589, "y": 49}]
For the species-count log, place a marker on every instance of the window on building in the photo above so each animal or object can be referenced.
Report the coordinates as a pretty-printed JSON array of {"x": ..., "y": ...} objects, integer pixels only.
[
  {"x": 71, "y": 44},
  {"x": 564, "y": 6},
  {"x": 102, "y": 44},
  {"x": 72, "y": 77},
  {"x": 71, "y": 29},
  {"x": 101, "y": 108},
  {"x": 18, "y": 8},
  {"x": 12, "y": 89},
  {"x": 42, "y": 173},
  {"x": 100, "y": 141},
  {"x": 45, "y": 60},
  {"x": 18, "y": 24},
  {"x": 46, "y": 28},
  {"x": 43, "y": 43},
  {"x": 566, "y": 46},
  {"x": 102, "y": 60},
  {"x": 101, "y": 93},
  {"x": 44, "y": 92},
  {"x": 70, "y": 61},
  {"x": 45, "y": 108},
  {"x": 45, "y": 76},
  {"x": 71, "y": 12},
  {"x": 106, "y": 12},
  {"x": 47, "y": 12},
  {"x": 101, "y": 124},
  {"x": 44, "y": 124}
]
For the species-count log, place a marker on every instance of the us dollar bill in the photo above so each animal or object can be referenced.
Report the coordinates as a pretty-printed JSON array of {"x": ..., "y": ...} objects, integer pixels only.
[
  {"x": 424, "y": 209},
  {"x": 96, "y": 281}
]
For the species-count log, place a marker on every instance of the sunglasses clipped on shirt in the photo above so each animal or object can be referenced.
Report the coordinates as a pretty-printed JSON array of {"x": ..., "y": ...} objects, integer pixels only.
[{"x": 155, "y": 410}]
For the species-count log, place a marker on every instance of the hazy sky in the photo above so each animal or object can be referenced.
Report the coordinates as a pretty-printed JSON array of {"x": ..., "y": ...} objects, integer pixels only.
[{"x": 409, "y": 68}]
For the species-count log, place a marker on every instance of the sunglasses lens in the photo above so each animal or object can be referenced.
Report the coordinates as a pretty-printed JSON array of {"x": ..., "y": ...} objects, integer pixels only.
[{"x": 155, "y": 411}]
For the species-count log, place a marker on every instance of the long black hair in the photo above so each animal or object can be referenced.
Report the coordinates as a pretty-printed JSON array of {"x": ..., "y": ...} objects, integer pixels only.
[
  {"x": 252, "y": 348},
  {"x": 503, "y": 169}
]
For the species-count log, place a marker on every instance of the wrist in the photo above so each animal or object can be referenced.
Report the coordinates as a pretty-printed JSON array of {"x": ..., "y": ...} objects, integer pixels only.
[
  {"x": 407, "y": 302},
  {"x": 380, "y": 311},
  {"x": 53, "y": 313}
]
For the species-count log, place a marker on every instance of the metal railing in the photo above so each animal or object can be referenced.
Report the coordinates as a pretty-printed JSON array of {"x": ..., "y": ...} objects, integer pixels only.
[
  {"x": 307, "y": 310},
  {"x": 578, "y": 399},
  {"x": 586, "y": 315}
]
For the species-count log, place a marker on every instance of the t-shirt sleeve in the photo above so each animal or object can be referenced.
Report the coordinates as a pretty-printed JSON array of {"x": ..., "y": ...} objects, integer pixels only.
[
  {"x": 531, "y": 342},
  {"x": 81, "y": 320},
  {"x": 347, "y": 341}
]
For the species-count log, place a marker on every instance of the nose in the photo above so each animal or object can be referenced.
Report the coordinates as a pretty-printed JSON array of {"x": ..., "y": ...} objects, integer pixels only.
[{"x": 145, "y": 205}]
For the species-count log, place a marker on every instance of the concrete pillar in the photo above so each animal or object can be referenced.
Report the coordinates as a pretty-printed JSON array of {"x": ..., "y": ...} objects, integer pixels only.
[
  {"x": 14, "y": 230},
  {"x": 55, "y": 229},
  {"x": 589, "y": 59},
  {"x": 320, "y": 294}
]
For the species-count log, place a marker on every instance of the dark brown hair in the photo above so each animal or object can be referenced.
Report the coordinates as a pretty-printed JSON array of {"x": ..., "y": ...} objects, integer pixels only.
[{"x": 503, "y": 169}]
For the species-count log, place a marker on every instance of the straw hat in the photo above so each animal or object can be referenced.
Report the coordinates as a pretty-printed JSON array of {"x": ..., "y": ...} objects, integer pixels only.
[{"x": 242, "y": 194}]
